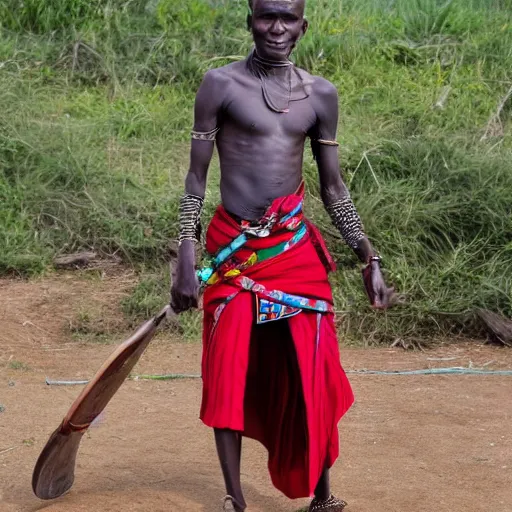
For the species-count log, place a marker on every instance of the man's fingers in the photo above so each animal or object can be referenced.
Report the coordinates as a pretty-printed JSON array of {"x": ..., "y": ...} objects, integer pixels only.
[
  {"x": 190, "y": 302},
  {"x": 178, "y": 302},
  {"x": 174, "y": 303},
  {"x": 176, "y": 307},
  {"x": 385, "y": 297},
  {"x": 377, "y": 303},
  {"x": 181, "y": 303},
  {"x": 382, "y": 297},
  {"x": 391, "y": 297}
]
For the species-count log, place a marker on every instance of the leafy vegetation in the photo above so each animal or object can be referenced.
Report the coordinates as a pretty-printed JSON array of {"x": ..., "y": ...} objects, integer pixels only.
[{"x": 96, "y": 109}]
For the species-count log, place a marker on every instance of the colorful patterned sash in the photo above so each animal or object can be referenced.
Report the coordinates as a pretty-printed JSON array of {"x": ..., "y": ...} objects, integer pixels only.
[
  {"x": 271, "y": 304},
  {"x": 223, "y": 267}
]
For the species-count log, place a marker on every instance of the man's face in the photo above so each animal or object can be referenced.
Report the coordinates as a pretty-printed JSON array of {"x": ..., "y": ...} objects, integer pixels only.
[{"x": 276, "y": 27}]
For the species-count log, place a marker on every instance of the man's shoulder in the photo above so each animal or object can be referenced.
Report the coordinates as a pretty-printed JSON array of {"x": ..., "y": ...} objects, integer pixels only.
[
  {"x": 317, "y": 85},
  {"x": 225, "y": 73},
  {"x": 323, "y": 87}
]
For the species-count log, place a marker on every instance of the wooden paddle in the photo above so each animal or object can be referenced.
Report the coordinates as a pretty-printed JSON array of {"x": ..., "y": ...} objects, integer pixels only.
[{"x": 54, "y": 472}]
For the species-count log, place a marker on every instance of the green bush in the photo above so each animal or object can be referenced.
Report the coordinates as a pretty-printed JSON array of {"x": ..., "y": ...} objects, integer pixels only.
[
  {"x": 42, "y": 17},
  {"x": 97, "y": 108}
]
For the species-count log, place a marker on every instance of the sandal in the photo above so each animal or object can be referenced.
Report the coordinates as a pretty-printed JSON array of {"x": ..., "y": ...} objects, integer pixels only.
[
  {"x": 229, "y": 504},
  {"x": 331, "y": 504}
]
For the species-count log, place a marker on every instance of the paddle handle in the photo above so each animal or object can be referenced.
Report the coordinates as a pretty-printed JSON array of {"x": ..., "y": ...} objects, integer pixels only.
[{"x": 166, "y": 312}]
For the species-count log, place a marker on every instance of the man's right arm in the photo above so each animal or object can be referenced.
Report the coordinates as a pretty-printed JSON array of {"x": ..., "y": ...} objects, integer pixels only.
[{"x": 209, "y": 101}]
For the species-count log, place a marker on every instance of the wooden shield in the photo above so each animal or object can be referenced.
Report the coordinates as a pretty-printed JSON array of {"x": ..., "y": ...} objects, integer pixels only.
[{"x": 54, "y": 472}]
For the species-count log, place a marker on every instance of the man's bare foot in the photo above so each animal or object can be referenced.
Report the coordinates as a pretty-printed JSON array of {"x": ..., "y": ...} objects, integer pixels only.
[
  {"x": 331, "y": 504},
  {"x": 229, "y": 505}
]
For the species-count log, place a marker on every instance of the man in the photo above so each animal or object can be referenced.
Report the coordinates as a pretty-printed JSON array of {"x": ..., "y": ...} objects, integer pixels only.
[{"x": 271, "y": 367}]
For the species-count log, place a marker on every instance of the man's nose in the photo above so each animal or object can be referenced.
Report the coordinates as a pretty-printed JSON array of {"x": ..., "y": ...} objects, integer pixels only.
[{"x": 277, "y": 27}]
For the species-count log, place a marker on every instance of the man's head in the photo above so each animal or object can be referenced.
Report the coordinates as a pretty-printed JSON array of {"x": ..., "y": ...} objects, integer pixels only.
[{"x": 276, "y": 26}]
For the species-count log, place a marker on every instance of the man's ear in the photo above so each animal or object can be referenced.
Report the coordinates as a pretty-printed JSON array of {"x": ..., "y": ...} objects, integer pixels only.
[
  {"x": 249, "y": 22},
  {"x": 305, "y": 26}
]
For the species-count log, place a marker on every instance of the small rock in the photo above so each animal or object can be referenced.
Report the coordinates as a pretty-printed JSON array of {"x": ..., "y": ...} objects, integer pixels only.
[
  {"x": 11, "y": 383},
  {"x": 2, "y": 408},
  {"x": 81, "y": 259}
]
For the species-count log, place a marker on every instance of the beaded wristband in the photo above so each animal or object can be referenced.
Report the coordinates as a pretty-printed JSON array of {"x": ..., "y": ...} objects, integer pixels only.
[
  {"x": 190, "y": 217},
  {"x": 346, "y": 219}
]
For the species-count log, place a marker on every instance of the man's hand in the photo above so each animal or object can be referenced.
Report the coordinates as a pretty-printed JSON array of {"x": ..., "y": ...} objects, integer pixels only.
[
  {"x": 185, "y": 285},
  {"x": 378, "y": 290}
]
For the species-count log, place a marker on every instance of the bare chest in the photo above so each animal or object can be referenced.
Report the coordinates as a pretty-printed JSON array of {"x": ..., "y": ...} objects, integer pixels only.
[{"x": 247, "y": 112}]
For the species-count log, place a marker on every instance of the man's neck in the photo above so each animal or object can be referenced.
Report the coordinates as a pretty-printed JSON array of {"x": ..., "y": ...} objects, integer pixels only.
[
  {"x": 280, "y": 82},
  {"x": 270, "y": 67}
]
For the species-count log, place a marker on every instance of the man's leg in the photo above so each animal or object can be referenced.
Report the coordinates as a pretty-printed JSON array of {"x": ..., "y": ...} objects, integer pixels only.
[
  {"x": 323, "y": 488},
  {"x": 229, "y": 448},
  {"x": 324, "y": 501}
]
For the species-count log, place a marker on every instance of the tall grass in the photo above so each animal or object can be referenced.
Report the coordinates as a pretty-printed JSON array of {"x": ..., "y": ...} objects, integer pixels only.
[{"x": 96, "y": 106}]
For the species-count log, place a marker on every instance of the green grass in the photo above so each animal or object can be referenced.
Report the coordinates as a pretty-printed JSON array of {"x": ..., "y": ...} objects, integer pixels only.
[
  {"x": 147, "y": 298},
  {"x": 18, "y": 365},
  {"x": 97, "y": 106}
]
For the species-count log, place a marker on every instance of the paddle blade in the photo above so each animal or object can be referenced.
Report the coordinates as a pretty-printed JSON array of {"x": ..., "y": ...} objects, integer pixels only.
[
  {"x": 54, "y": 471},
  {"x": 55, "y": 468}
]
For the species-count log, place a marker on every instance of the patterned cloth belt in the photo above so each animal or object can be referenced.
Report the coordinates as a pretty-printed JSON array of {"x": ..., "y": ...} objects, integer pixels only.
[
  {"x": 271, "y": 304},
  {"x": 222, "y": 267}
]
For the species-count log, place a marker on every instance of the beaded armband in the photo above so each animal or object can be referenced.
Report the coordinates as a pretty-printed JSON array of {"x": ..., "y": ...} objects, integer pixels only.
[
  {"x": 346, "y": 219},
  {"x": 190, "y": 218},
  {"x": 210, "y": 136}
]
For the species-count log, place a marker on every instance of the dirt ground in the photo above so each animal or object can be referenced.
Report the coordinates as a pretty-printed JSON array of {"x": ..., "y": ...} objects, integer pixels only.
[{"x": 410, "y": 444}]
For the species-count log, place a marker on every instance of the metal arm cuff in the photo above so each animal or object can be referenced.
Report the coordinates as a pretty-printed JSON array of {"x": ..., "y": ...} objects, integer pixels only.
[
  {"x": 210, "y": 136},
  {"x": 326, "y": 142}
]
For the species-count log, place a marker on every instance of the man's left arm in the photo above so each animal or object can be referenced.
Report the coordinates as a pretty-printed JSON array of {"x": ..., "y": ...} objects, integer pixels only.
[{"x": 334, "y": 192}]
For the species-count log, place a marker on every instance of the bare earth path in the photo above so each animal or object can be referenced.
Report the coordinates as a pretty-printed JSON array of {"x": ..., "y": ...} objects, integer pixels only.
[{"x": 410, "y": 444}]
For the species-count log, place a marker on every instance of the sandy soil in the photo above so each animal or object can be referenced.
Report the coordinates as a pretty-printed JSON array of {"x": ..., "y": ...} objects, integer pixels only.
[{"x": 410, "y": 444}]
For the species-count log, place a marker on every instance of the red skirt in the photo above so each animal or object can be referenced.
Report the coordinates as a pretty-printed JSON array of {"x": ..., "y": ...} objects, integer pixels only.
[{"x": 281, "y": 382}]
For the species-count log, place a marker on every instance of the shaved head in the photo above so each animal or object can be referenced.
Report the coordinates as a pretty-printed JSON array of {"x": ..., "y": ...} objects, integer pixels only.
[
  {"x": 276, "y": 26},
  {"x": 300, "y": 3}
]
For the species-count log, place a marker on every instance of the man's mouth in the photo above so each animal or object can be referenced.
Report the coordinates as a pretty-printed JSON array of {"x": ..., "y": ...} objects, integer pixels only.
[{"x": 277, "y": 44}]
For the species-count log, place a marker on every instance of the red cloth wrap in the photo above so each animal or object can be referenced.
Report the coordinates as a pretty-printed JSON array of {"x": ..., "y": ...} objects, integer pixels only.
[{"x": 272, "y": 382}]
